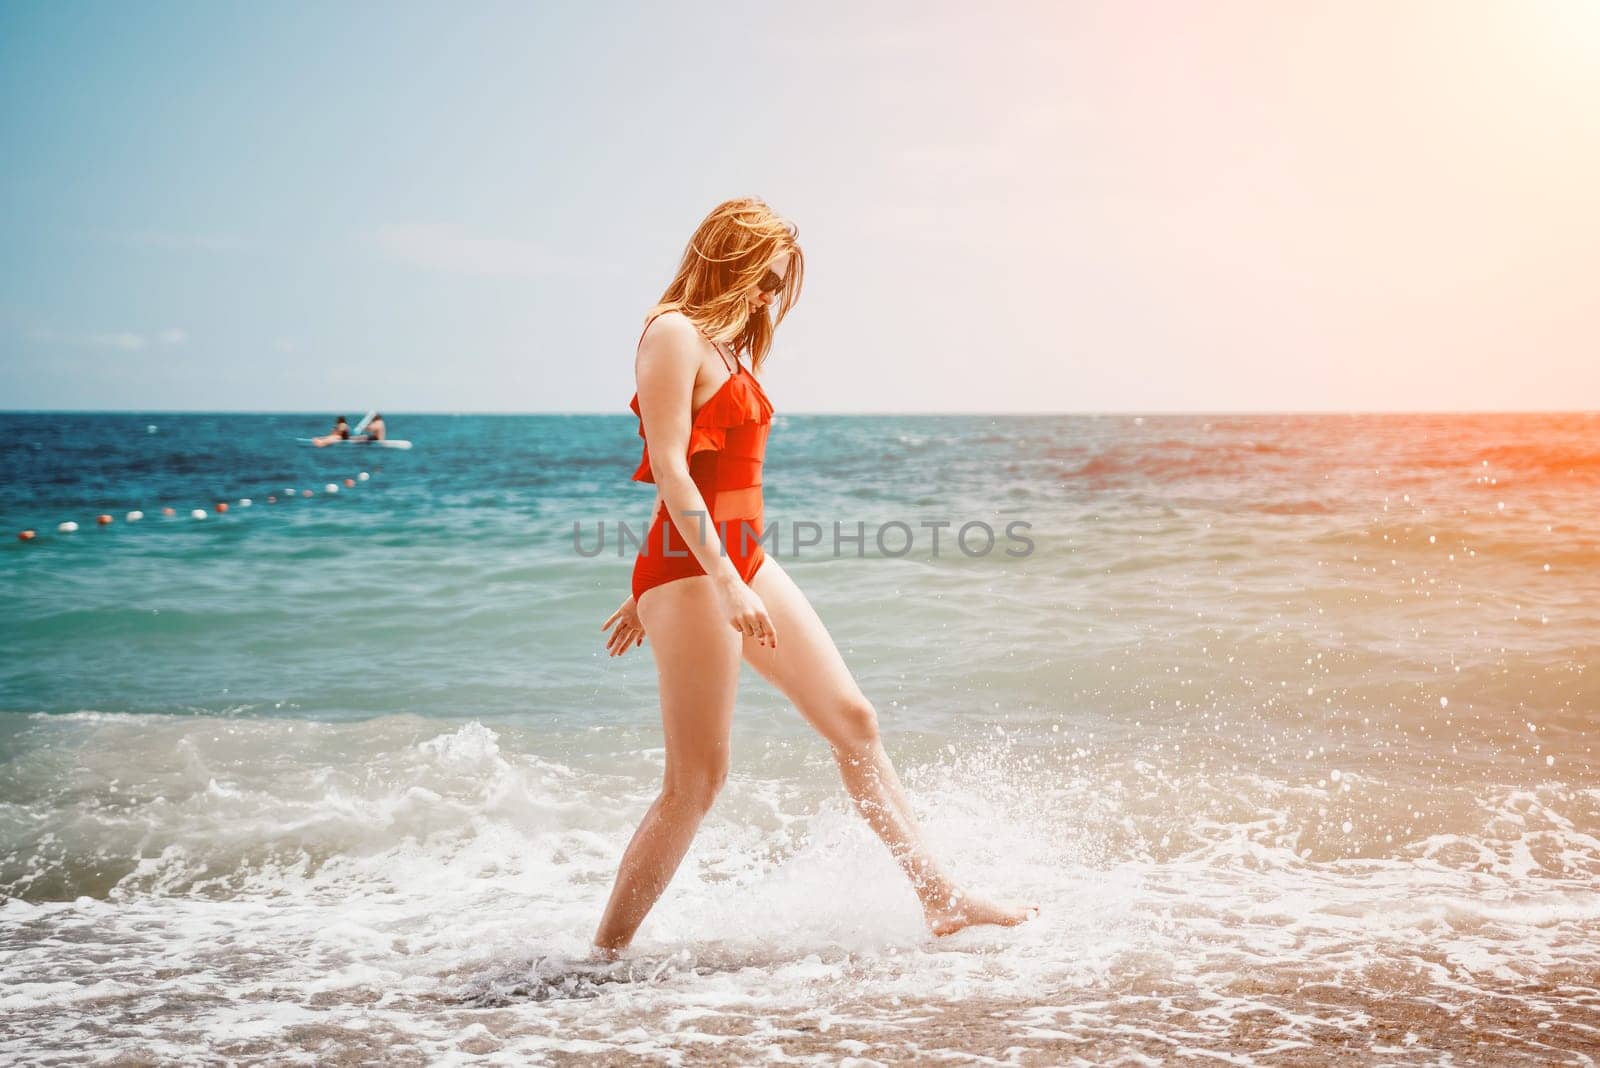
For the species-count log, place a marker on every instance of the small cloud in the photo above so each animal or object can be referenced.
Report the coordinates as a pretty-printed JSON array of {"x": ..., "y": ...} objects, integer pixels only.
[
  {"x": 119, "y": 340},
  {"x": 125, "y": 340},
  {"x": 449, "y": 248}
]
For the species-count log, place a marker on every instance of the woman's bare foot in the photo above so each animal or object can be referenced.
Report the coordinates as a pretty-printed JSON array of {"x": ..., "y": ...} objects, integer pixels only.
[
  {"x": 962, "y": 911},
  {"x": 600, "y": 954}
]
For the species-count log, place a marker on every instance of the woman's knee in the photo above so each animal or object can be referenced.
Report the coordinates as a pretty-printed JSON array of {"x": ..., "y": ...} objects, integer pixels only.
[
  {"x": 696, "y": 787},
  {"x": 855, "y": 726}
]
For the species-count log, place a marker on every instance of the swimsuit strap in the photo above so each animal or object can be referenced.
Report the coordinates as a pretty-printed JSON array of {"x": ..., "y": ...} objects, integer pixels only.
[{"x": 731, "y": 370}]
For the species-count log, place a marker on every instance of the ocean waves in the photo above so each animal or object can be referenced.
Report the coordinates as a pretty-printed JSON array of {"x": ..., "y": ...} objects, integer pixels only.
[
  {"x": 414, "y": 875},
  {"x": 1287, "y": 722}
]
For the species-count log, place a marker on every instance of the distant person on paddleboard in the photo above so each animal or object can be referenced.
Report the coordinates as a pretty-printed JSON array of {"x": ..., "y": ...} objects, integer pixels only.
[
  {"x": 376, "y": 431},
  {"x": 711, "y": 597},
  {"x": 340, "y": 432},
  {"x": 370, "y": 430}
]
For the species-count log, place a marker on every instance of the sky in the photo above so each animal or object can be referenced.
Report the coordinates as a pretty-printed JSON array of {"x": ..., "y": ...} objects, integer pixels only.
[{"x": 1053, "y": 207}]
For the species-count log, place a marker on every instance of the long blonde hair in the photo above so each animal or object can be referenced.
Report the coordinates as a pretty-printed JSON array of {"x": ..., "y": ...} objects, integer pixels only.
[{"x": 727, "y": 255}]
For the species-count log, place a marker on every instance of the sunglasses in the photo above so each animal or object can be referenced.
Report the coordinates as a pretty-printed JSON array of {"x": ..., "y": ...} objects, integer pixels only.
[{"x": 770, "y": 282}]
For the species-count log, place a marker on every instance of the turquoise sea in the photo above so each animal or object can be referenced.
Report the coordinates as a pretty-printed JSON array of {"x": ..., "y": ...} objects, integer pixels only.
[{"x": 1287, "y": 721}]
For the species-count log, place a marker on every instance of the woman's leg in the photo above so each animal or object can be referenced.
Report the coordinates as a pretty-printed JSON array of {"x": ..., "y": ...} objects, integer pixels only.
[
  {"x": 697, "y": 659},
  {"x": 807, "y": 668}
]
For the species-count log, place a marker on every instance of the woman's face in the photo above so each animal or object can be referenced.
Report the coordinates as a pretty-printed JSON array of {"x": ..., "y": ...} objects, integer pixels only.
[{"x": 761, "y": 295}]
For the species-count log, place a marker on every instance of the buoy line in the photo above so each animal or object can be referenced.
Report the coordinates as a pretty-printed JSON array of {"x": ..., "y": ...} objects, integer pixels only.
[{"x": 105, "y": 519}]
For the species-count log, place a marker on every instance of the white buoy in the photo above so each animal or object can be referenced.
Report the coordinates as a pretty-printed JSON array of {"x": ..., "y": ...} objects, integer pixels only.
[
  {"x": 150, "y": 428},
  {"x": 135, "y": 516},
  {"x": 69, "y": 527},
  {"x": 245, "y": 502},
  {"x": 363, "y": 476},
  {"x": 332, "y": 487},
  {"x": 288, "y": 491},
  {"x": 198, "y": 513}
]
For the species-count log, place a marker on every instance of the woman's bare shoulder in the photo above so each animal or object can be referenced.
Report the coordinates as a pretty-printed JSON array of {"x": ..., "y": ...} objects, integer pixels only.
[
  {"x": 672, "y": 338},
  {"x": 671, "y": 347},
  {"x": 671, "y": 327}
]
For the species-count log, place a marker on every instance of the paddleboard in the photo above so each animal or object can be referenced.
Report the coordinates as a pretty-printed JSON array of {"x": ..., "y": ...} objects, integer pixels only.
[{"x": 387, "y": 443}]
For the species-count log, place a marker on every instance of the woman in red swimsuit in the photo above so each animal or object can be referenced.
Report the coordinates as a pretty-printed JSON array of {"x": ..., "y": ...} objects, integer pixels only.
[{"x": 707, "y": 595}]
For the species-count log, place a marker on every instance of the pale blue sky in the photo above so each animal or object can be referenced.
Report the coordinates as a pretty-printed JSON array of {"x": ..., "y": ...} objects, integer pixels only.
[{"x": 1049, "y": 207}]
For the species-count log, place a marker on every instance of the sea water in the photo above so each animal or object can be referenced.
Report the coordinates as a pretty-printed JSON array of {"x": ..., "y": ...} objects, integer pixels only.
[{"x": 1286, "y": 722}]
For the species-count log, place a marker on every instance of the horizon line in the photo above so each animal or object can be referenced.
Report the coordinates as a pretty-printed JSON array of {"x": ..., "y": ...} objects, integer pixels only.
[{"x": 1138, "y": 412}]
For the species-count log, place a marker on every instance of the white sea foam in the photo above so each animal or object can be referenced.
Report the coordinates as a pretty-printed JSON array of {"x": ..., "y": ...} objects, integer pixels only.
[{"x": 416, "y": 875}]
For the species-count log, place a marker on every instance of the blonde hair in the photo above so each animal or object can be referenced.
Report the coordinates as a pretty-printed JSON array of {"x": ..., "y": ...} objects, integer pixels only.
[{"x": 728, "y": 254}]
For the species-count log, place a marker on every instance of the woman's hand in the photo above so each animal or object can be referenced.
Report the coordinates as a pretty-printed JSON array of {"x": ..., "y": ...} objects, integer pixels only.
[
  {"x": 746, "y": 613},
  {"x": 629, "y": 632}
]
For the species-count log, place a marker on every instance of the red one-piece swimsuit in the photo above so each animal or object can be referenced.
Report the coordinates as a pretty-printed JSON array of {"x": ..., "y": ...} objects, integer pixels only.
[{"x": 727, "y": 443}]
